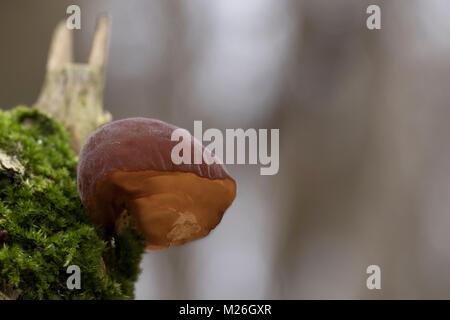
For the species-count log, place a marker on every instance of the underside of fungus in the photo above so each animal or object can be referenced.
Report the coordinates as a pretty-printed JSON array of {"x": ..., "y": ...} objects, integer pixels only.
[{"x": 175, "y": 207}]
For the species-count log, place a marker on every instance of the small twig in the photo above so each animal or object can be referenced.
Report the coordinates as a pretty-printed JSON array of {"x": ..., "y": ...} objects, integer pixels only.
[{"x": 8, "y": 293}]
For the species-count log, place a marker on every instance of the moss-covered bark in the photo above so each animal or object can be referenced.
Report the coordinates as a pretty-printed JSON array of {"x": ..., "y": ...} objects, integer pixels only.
[{"x": 46, "y": 226}]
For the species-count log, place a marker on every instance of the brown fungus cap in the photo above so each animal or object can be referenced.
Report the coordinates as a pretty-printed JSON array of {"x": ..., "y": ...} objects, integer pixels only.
[{"x": 127, "y": 165}]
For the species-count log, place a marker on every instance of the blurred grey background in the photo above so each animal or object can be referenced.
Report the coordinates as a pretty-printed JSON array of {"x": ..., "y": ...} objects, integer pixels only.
[{"x": 364, "y": 136}]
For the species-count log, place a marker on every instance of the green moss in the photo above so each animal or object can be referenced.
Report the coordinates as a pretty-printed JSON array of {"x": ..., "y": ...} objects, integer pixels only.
[{"x": 47, "y": 227}]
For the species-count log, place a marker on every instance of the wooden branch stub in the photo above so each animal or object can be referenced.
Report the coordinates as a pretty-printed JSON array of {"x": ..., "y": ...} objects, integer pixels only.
[
  {"x": 61, "y": 48},
  {"x": 100, "y": 43},
  {"x": 73, "y": 93}
]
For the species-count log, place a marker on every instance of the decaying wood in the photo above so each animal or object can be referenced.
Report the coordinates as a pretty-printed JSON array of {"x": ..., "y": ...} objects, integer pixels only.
[
  {"x": 10, "y": 163},
  {"x": 72, "y": 92}
]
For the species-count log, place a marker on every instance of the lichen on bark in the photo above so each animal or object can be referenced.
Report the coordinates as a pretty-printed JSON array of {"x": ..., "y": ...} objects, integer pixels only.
[{"x": 47, "y": 227}]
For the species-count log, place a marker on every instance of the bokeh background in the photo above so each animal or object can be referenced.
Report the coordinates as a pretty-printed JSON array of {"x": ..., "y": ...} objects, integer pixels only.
[{"x": 364, "y": 134}]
